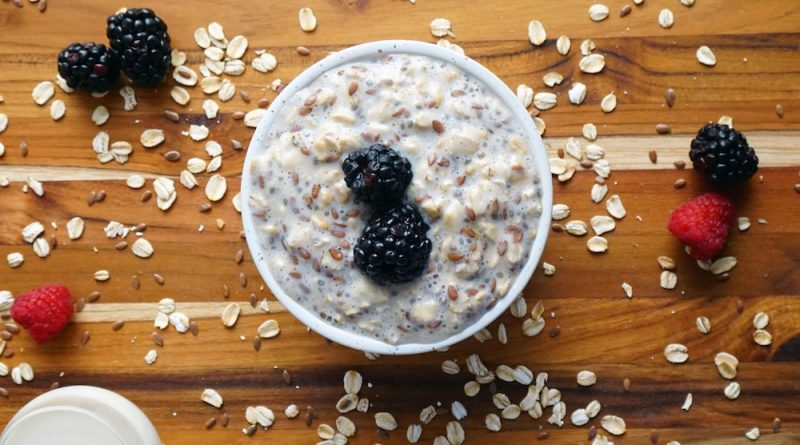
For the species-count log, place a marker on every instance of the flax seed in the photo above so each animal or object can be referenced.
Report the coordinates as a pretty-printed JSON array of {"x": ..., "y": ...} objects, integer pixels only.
[
  {"x": 257, "y": 343},
  {"x": 653, "y": 155},
  {"x": 101, "y": 196},
  {"x": 210, "y": 423},
  {"x": 669, "y": 97},
  {"x": 438, "y": 126},
  {"x": 739, "y": 305},
  {"x": 626, "y": 9},
  {"x": 626, "y": 384},
  {"x": 779, "y": 110},
  {"x": 85, "y": 337},
  {"x": 117, "y": 325},
  {"x": 680, "y": 165},
  {"x": 172, "y": 116},
  {"x": 679, "y": 184},
  {"x": 158, "y": 278},
  {"x": 145, "y": 196},
  {"x": 303, "y": 51},
  {"x": 80, "y": 305},
  {"x": 194, "y": 328},
  {"x": 663, "y": 129},
  {"x": 287, "y": 377},
  {"x": 94, "y": 296},
  {"x": 23, "y": 148},
  {"x": 122, "y": 245},
  {"x": 239, "y": 256},
  {"x": 224, "y": 419},
  {"x": 135, "y": 282},
  {"x": 263, "y": 103},
  {"x": 242, "y": 279},
  {"x": 239, "y": 115},
  {"x": 654, "y": 437},
  {"x": 225, "y": 292}
]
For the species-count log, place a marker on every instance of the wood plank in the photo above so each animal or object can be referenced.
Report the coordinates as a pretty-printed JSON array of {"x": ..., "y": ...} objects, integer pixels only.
[
  {"x": 635, "y": 71},
  {"x": 775, "y": 149},
  {"x": 197, "y": 265}
]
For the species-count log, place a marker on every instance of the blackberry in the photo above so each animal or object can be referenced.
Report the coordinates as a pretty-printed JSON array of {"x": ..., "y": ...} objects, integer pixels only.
[
  {"x": 723, "y": 155},
  {"x": 378, "y": 175},
  {"x": 140, "y": 37},
  {"x": 89, "y": 66},
  {"x": 394, "y": 247}
]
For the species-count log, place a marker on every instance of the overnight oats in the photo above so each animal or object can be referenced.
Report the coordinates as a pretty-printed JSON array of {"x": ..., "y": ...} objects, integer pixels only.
[{"x": 395, "y": 197}]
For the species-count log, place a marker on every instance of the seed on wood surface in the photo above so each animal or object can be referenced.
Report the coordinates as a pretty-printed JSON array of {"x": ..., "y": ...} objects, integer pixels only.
[
  {"x": 739, "y": 305},
  {"x": 608, "y": 103},
  {"x": 224, "y": 419},
  {"x": 577, "y": 93},
  {"x": 753, "y": 433},
  {"x": 760, "y": 320},
  {"x": 210, "y": 423},
  {"x": 625, "y": 10},
  {"x": 158, "y": 278},
  {"x": 669, "y": 97},
  {"x": 142, "y": 248},
  {"x": 762, "y": 337},
  {"x": 493, "y": 423},
  {"x": 654, "y": 437},
  {"x": 726, "y": 364},
  {"x": 598, "y": 12},
  {"x": 536, "y": 33},
  {"x": 703, "y": 324},
  {"x": 776, "y": 424},
  {"x": 146, "y": 195},
  {"x": 615, "y": 208},
  {"x": 42, "y": 92},
  {"x": 563, "y": 45},
  {"x": 308, "y": 22},
  {"x": 676, "y": 353},
  {"x": 352, "y": 382},
  {"x": 158, "y": 340},
  {"x": 653, "y": 155},
  {"x": 666, "y": 18},
  {"x": 779, "y": 110},
  {"x": 303, "y": 51},
  {"x": 706, "y": 56},
  {"x": 663, "y": 129},
  {"x": 613, "y": 424},
  {"x": 23, "y": 148},
  {"x": 732, "y": 390},
  {"x": 151, "y": 356},
  {"x": 269, "y": 329},
  {"x": 385, "y": 421},
  {"x": 211, "y": 397},
  {"x": 117, "y": 325},
  {"x": 230, "y": 315},
  {"x": 668, "y": 280},
  {"x": 679, "y": 184},
  {"x": 680, "y": 165},
  {"x": 440, "y": 27},
  {"x": 722, "y": 265},
  {"x": 586, "y": 378},
  {"x": 592, "y": 63},
  {"x": 250, "y": 430}
]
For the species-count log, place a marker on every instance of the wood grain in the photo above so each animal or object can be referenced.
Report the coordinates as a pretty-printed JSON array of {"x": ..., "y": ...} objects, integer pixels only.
[{"x": 598, "y": 328}]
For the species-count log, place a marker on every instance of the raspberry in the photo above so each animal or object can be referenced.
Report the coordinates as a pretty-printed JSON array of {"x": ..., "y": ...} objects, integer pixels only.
[
  {"x": 44, "y": 311},
  {"x": 703, "y": 224}
]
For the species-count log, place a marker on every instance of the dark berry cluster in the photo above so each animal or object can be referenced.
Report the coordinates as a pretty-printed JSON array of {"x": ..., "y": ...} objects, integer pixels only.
[
  {"x": 723, "y": 155},
  {"x": 394, "y": 247},
  {"x": 140, "y": 47}
]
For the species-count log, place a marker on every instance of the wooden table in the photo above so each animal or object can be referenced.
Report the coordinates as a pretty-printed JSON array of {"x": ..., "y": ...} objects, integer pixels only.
[{"x": 756, "y": 44}]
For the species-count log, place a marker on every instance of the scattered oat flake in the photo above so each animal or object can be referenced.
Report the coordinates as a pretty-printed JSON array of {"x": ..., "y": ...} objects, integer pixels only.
[
  {"x": 598, "y": 12},
  {"x": 613, "y": 424},
  {"x": 676, "y": 353},
  {"x": 536, "y": 33},
  {"x": 42, "y": 92},
  {"x": 628, "y": 289},
  {"x": 706, "y": 56},
  {"x": 308, "y": 22},
  {"x": 687, "y": 403},
  {"x": 441, "y": 27},
  {"x": 211, "y": 397}
]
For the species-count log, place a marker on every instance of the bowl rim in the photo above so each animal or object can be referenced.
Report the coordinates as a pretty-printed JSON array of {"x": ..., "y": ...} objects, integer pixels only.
[{"x": 496, "y": 86}]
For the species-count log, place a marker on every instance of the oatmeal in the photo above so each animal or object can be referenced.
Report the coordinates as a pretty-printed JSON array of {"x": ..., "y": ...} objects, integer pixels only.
[{"x": 474, "y": 181}]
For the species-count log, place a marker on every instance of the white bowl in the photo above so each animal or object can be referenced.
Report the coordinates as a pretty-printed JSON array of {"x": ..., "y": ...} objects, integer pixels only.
[{"x": 360, "y": 52}]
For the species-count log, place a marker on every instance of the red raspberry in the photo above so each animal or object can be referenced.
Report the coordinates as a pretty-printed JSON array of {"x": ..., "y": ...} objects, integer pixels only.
[
  {"x": 703, "y": 224},
  {"x": 44, "y": 311}
]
